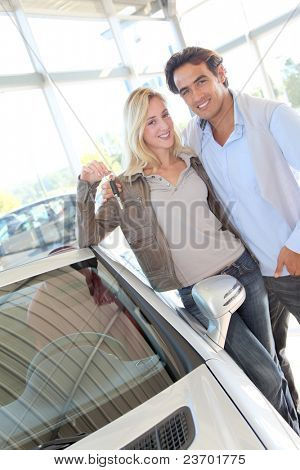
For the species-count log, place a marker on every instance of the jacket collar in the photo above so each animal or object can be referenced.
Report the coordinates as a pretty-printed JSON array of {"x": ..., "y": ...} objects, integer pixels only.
[
  {"x": 132, "y": 178},
  {"x": 140, "y": 175}
]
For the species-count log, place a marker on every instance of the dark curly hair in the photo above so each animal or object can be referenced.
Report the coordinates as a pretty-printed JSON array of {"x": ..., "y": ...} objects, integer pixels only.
[{"x": 195, "y": 56}]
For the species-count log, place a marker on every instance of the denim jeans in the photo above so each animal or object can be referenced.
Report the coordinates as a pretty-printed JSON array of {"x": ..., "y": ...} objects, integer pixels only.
[
  {"x": 249, "y": 339},
  {"x": 284, "y": 297}
]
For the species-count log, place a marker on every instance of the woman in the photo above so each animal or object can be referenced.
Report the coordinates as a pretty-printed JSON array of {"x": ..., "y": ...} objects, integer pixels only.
[{"x": 180, "y": 234}]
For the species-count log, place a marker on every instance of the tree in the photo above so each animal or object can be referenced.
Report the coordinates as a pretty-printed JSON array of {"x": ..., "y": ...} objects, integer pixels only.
[
  {"x": 109, "y": 153},
  {"x": 292, "y": 82},
  {"x": 57, "y": 182},
  {"x": 8, "y": 202}
]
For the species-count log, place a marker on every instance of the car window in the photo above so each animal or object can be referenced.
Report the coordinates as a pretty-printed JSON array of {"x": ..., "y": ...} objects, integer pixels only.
[
  {"x": 39, "y": 214},
  {"x": 55, "y": 208},
  {"x": 3, "y": 231},
  {"x": 35, "y": 230},
  {"x": 23, "y": 223},
  {"x": 76, "y": 354}
]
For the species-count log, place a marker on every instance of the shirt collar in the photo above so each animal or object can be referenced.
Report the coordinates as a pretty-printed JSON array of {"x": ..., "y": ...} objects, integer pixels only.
[{"x": 186, "y": 157}]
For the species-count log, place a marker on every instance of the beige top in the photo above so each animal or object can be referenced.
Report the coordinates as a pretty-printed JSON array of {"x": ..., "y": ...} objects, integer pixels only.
[{"x": 198, "y": 246}]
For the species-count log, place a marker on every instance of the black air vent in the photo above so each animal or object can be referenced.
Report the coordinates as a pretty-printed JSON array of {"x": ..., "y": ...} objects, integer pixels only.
[{"x": 175, "y": 432}]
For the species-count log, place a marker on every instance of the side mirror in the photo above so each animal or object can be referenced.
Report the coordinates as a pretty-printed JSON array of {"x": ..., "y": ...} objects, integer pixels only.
[{"x": 218, "y": 297}]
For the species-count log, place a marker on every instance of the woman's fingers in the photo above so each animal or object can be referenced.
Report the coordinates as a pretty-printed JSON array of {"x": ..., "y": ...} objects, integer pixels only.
[
  {"x": 107, "y": 191},
  {"x": 99, "y": 168},
  {"x": 86, "y": 174},
  {"x": 94, "y": 172}
]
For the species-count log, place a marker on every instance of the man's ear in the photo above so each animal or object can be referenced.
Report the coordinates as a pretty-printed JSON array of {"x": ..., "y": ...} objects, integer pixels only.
[{"x": 221, "y": 73}]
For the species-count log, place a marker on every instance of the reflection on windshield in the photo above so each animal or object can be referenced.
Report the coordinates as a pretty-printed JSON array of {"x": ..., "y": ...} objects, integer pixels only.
[{"x": 76, "y": 354}]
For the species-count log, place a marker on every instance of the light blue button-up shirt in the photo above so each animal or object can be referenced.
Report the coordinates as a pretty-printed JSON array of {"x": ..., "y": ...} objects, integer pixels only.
[{"x": 231, "y": 171}]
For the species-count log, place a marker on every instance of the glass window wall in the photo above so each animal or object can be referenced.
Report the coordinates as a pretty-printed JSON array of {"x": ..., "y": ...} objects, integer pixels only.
[
  {"x": 13, "y": 57},
  {"x": 32, "y": 153},
  {"x": 282, "y": 60},
  {"x": 260, "y": 12},
  {"x": 93, "y": 112},
  {"x": 243, "y": 70},
  {"x": 74, "y": 39},
  {"x": 213, "y": 23},
  {"x": 75, "y": 44},
  {"x": 150, "y": 44}
]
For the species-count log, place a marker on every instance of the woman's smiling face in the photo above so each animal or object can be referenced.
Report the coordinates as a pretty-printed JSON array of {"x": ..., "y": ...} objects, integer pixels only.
[{"x": 159, "y": 128}]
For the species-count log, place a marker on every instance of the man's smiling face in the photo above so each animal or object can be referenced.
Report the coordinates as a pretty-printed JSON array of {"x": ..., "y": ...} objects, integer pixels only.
[{"x": 202, "y": 91}]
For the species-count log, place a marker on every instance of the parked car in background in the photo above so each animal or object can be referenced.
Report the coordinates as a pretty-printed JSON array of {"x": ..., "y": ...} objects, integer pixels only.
[
  {"x": 37, "y": 227},
  {"x": 92, "y": 358}
]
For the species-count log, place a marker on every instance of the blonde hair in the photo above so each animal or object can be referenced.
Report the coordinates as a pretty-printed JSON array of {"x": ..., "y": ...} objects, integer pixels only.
[{"x": 135, "y": 115}]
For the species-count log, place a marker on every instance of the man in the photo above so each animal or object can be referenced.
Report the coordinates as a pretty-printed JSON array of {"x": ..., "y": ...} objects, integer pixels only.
[{"x": 250, "y": 149}]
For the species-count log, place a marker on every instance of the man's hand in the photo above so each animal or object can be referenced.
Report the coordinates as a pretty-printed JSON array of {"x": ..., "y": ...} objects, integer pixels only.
[
  {"x": 290, "y": 259},
  {"x": 93, "y": 172},
  {"x": 107, "y": 191}
]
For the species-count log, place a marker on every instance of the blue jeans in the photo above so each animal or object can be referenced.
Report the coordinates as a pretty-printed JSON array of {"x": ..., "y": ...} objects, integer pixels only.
[
  {"x": 284, "y": 298},
  {"x": 249, "y": 338}
]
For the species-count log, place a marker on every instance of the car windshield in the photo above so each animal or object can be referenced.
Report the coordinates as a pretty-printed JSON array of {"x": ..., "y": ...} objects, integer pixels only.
[{"x": 76, "y": 353}]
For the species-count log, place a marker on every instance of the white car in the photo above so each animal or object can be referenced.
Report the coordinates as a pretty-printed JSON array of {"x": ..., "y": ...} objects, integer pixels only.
[{"x": 93, "y": 358}]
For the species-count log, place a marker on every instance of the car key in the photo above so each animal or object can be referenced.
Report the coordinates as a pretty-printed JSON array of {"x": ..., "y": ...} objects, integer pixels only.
[{"x": 116, "y": 193}]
